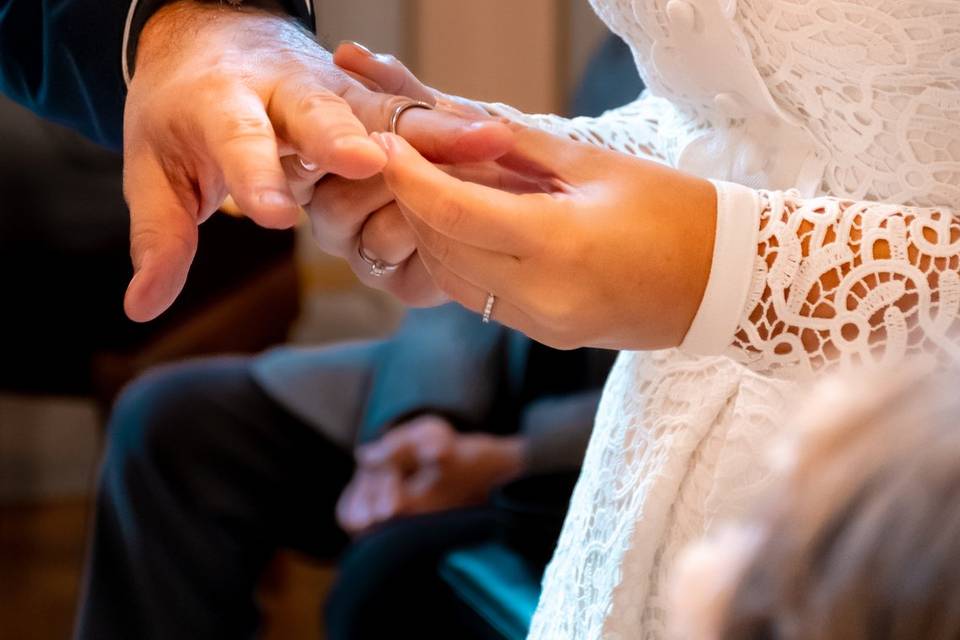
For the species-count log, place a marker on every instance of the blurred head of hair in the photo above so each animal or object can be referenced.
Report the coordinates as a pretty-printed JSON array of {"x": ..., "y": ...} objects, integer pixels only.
[{"x": 861, "y": 538}]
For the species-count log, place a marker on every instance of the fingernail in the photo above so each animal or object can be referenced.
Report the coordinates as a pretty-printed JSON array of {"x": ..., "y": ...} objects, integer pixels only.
[
  {"x": 359, "y": 46},
  {"x": 276, "y": 199},
  {"x": 382, "y": 141},
  {"x": 307, "y": 165},
  {"x": 389, "y": 144}
]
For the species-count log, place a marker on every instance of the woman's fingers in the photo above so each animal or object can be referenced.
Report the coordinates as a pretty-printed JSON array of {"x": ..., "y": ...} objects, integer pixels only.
[
  {"x": 493, "y": 174},
  {"x": 486, "y": 269},
  {"x": 387, "y": 236},
  {"x": 474, "y": 298},
  {"x": 547, "y": 157},
  {"x": 464, "y": 211}
]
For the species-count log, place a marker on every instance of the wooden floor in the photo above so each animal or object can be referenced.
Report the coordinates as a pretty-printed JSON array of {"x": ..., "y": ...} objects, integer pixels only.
[
  {"x": 41, "y": 555},
  {"x": 41, "y": 552}
]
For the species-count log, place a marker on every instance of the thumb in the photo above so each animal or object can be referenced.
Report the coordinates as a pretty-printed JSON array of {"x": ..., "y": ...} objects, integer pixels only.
[
  {"x": 541, "y": 156},
  {"x": 448, "y": 137},
  {"x": 163, "y": 239}
]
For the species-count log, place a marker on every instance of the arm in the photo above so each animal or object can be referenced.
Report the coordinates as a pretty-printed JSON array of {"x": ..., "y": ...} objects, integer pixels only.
[
  {"x": 825, "y": 280},
  {"x": 65, "y": 61}
]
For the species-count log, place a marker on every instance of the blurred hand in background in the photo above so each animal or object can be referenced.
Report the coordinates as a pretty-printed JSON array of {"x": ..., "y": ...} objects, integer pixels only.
[{"x": 422, "y": 466}]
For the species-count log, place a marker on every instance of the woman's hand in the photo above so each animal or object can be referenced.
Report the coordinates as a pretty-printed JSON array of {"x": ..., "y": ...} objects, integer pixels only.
[
  {"x": 611, "y": 252},
  {"x": 347, "y": 214},
  {"x": 422, "y": 466}
]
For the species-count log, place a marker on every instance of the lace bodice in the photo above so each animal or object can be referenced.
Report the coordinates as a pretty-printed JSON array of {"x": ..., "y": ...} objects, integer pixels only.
[{"x": 832, "y": 131}]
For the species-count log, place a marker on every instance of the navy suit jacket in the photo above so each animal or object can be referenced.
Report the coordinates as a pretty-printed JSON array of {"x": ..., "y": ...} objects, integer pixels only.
[{"x": 64, "y": 59}]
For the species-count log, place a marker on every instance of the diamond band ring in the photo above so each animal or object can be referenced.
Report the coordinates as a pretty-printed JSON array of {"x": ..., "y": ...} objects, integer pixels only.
[
  {"x": 378, "y": 268},
  {"x": 488, "y": 309}
]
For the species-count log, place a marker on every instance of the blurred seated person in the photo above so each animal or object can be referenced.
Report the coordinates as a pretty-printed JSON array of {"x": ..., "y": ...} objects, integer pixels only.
[
  {"x": 859, "y": 541},
  {"x": 382, "y": 454}
]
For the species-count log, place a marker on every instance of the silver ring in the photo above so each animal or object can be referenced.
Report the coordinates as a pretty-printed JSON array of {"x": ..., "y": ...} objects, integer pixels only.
[
  {"x": 378, "y": 268},
  {"x": 401, "y": 108},
  {"x": 488, "y": 309}
]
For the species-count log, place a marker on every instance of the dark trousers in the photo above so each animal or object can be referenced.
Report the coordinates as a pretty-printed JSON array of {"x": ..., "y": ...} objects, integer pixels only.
[{"x": 205, "y": 477}]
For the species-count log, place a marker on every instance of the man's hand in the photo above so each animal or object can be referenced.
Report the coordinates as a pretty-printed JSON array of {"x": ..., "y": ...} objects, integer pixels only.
[
  {"x": 229, "y": 101},
  {"x": 422, "y": 466}
]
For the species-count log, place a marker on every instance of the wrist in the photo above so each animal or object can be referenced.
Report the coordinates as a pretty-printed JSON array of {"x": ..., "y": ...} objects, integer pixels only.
[{"x": 158, "y": 29}]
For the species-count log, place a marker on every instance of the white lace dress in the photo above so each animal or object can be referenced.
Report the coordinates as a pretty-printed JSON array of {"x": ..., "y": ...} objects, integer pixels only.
[{"x": 832, "y": 131}]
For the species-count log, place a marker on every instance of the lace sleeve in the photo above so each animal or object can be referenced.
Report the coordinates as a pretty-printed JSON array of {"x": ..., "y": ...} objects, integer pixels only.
[
  {"x": 838, "y": 281},
  {"x": 633, "y": 128}
]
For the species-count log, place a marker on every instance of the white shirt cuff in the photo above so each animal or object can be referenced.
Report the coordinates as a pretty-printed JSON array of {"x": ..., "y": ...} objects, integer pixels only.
[{"x": 731, "y": 271}]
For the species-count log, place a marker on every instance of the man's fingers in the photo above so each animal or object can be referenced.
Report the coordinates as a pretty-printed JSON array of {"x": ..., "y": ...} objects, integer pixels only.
[
  {"x": 301, "y": 177},
  {"x": 323, "y": 128},
  {"x": 386, "y": 71},
  {"x": 464, "y": 211},
  {"x": 441, "y": 135},
  {"x": 241, "y": 141},
  {"x": 163, "y": 237},
  {"x": 340, "y": 207}
]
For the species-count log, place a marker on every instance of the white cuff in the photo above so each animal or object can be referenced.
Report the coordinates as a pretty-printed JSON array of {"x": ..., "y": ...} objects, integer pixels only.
[{"x": 731, "y": 271}]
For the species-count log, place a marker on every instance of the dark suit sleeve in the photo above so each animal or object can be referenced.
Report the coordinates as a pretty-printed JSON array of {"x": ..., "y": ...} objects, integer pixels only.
[
  {"x": 442, "y": 361},
  {"x": 63, "y": 59}
]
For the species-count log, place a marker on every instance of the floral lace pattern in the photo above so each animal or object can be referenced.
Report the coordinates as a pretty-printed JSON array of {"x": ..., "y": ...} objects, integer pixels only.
[
  {"x": 856, "y": 104},
  {"x": 850, "y": 282},
  {"x": 633, "y": 128}
]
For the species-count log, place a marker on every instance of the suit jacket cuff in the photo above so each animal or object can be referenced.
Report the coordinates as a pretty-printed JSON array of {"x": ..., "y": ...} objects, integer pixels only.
[{"x": 141, "y": 10}]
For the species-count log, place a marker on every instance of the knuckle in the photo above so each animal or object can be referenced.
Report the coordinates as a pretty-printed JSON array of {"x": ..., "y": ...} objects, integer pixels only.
[
  {"x": 452, "y": 212},
  {"x": 241, "y": 128},
  {"x": 319, "y": 101},
  {"x": 388, "y": 106}
]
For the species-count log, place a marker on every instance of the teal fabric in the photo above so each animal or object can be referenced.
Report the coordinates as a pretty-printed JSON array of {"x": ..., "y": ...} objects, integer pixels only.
[{"x": 496, "y": 583}]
